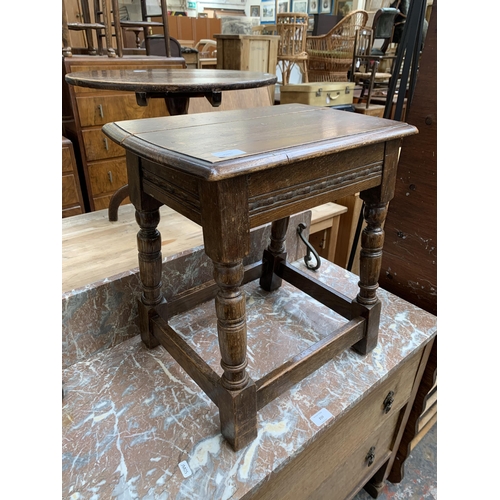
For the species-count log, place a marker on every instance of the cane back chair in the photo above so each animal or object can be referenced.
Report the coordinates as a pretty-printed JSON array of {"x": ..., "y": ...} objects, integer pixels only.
[
  {"x": 292, "y": 29},
  {"x": 330, "y": 56}
]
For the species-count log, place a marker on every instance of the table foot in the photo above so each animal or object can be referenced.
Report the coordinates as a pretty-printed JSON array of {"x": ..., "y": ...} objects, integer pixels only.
[{"x": 238, "y": 415}]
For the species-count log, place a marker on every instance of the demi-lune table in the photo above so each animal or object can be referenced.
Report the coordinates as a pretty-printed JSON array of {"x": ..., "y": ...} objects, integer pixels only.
[
  {"x": 235, "y": 170},
  {"x": 176, "y": 86}
]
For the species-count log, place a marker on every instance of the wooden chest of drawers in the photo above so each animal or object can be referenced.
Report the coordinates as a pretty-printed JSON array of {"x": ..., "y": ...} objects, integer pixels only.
[
  {"x": 353, "y": 449},
  {"x": 72, "y": 200},
  {"x": 101, "y": 163}
]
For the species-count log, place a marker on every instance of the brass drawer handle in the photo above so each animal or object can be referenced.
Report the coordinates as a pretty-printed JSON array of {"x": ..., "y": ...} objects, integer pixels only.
[
  {"x": 101, "y": 113},
  {"x": 370, "y": 456},
  {"x": 388, "y": 402},
  {"x": 110, "y": 176}
]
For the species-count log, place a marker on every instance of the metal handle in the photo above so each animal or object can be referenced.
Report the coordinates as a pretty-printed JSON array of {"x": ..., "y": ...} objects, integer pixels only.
[
  {"x": 99, "y": 107},
  {"x": 310, "y": 250},
  {"x": 388, "y": 401},
  {"x": 370, "y": 456},
  {"x": 110, "y": 176},
  {"x": 106, "y": 147}
]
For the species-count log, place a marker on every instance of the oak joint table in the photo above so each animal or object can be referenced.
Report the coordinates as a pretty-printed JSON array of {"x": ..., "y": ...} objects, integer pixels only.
[{"x": 248, "y": 168}]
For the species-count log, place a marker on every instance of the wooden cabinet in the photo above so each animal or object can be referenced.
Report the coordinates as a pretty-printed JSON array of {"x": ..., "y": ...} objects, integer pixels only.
[
  {"x": 248, "y": 53},
  {"x": 72, "y": 200},
  {"x": 101, "y": 162},
  {"x": 358, "y": 445}
]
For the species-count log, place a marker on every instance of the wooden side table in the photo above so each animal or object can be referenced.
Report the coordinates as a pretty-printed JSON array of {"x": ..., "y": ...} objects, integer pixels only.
[{"x": 247, "y": 168}]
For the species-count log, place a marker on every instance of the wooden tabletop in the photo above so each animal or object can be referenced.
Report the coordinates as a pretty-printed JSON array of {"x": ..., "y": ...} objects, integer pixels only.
[
  {"x": 170, "y": 80},
  {"x": 233, "y": 142}
]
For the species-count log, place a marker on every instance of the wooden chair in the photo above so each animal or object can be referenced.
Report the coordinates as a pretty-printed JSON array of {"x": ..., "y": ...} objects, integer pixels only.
[
  {"x": 330, "y": 56},
  {"x": 101, "y": 26},
  {"x": 207, "y": 53},
  {"x": 145, "y": 24},
  {"x": 264, "y": 29},
  {"x": 368, "y": 57},
  {"x": 292, "y": 28},
  {"x": 157, "y": 46}
]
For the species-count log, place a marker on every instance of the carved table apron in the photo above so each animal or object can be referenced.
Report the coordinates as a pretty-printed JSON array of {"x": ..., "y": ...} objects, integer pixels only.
[{"x": 235, "y": 170}]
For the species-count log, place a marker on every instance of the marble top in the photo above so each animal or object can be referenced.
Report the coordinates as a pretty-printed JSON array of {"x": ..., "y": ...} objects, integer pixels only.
[{"x": 131, "y": 415}]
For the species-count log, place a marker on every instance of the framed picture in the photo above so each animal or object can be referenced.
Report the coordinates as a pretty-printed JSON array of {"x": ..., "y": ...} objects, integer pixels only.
[
  {"x": 268, "y": 12},
  {"x": 254, "y": 10},
  {"x": 314, "y": 6},
  {"x": 283, "y": 6},
  {"x": 325, "y": 6},
  {"x": 300, "y": 6},
  {"x": 344, "y": 7}
]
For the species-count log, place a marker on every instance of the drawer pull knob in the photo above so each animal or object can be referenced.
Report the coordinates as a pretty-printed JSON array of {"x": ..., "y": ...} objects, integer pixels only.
[
  {"x": 110, "y": 176},
  {"x": 106, "y": 147},
  {"x": 101, "y": 114},
  {"x": 370, "y": 456},
  {"x": 388, "y": 402}
]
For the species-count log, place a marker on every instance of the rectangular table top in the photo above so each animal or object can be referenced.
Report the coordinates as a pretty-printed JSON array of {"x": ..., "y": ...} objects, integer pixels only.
[{"x": 230, "y": 143}]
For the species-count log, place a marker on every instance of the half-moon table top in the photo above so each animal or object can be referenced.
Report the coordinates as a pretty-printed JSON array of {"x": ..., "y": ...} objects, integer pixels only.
[{"x": 170, "y": 80}]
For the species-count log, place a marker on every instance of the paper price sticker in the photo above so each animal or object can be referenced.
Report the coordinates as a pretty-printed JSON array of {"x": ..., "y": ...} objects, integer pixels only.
[
  {"x": 228, "y": 153},
  {"x": 185, "y": 469},
  {"x": 321, "y": 417}
]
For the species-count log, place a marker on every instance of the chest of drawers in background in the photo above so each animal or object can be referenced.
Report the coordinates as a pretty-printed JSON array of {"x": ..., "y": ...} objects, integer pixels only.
[
  {"x": 72, "y": 200},
  {"x": 101, "y": 163}
]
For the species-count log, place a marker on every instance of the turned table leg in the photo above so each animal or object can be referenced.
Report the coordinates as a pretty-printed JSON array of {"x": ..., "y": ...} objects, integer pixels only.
[
  {"x": 370, "y": 261},
  {"x": 149, "y": 246},
  {"x": 238, "y": 401},
  {"x": 273, "y": 255},
  {"x": 226, "y": 234},
  {"x": 147, "y": 215}
]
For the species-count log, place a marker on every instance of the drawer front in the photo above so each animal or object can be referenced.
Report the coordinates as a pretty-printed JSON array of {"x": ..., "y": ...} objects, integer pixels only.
[
  {"x": 99, "y": 110},
  {"x": 69, "y": 212},
  {"x": 360, "y": 465},
  {"x": 100, "y": 147},
  {"x": 102, "y": 202},
  {"x": 301, "y": 478},
  {"x": 67, "y": 160},
  {"x": 107, "y": 176},
  {"x": 69, "y": 191}
]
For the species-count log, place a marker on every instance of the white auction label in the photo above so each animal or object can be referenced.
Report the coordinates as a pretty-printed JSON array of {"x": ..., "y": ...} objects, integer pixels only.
[
  {"x": 185, "y": 469},
  {"x": 228, "y": 152},
  {"x": 321, "y": 417}
]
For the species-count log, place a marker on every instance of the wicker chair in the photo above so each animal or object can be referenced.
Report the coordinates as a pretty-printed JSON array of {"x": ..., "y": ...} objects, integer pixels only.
[
  {"x": 292, "y": 29},
  {"x": 330, "y": 56}
]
